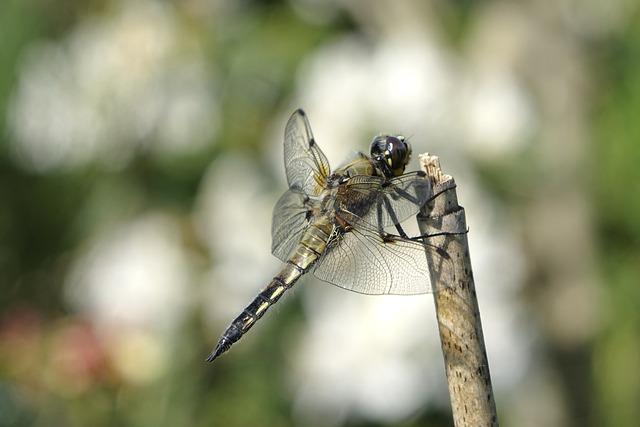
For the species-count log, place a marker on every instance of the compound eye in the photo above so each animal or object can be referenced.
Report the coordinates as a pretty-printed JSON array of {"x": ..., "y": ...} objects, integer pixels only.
[
  {"x": 379, "y": 147},
  {"x": 398, "y": 153}
]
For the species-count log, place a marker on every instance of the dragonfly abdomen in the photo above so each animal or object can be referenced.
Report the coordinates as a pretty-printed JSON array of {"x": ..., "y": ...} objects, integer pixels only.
[
  {"x": 312, "y": 244},
  {"x": 254, "y": 311}
]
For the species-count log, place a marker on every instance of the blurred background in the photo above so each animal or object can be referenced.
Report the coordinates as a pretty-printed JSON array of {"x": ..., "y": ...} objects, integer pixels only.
[{"x": 141, "y": 155}]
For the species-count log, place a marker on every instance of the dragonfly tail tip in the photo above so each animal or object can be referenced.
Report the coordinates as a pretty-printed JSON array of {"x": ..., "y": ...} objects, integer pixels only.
[
  {"x": 214, "y": 355},
  {"x": 220, "y": 348}
]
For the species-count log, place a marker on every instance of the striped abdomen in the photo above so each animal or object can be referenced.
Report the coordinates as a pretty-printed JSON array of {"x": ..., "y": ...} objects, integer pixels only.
[{"x": 312, "y": 244}]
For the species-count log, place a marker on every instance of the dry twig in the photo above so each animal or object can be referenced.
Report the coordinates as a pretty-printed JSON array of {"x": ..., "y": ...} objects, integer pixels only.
[{"x": 465, "y": 357}]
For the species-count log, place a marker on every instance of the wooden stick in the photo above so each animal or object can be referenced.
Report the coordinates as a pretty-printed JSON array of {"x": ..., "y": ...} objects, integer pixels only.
[{"x": 465, "y": 357}]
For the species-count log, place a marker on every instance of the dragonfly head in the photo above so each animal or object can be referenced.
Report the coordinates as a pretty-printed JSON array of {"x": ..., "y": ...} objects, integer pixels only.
[{"x": 392, "y": 153}]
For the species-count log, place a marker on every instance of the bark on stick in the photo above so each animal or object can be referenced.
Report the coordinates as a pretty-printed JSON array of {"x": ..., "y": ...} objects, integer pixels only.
[{"x": 465, "y": 357}]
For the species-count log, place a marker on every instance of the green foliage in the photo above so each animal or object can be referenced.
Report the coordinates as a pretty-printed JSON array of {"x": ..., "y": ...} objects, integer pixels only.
[{"x": 617, "y": 186}]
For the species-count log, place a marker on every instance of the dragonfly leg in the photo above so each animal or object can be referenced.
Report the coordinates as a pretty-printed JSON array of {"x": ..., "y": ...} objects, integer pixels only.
[
  {"x": 399, "y": 192},
  {"x": 401, "y": 231},
  {"x": 379, "y": 215},
  {"x": 393, "y": 216},
  {"x": 441, "y": 233},
  {"x": 439, "y": 193},
  {"x": 405, "y": 195}
]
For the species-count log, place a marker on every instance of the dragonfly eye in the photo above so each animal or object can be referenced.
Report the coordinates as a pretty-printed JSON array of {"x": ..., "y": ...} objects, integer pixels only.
[{"x": 393, "y": 152}]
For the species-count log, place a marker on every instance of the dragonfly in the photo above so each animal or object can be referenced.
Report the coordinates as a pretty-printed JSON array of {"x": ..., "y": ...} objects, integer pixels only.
[{"x": 345, "y": 225}]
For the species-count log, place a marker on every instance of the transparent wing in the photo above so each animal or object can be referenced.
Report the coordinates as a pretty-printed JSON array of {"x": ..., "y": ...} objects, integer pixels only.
[
  {"x": 381, "y": 202},
  {"x": 290, "y": 219},
  {"x": 306, "y": 166},
  {"x": 362, "y": 260}
]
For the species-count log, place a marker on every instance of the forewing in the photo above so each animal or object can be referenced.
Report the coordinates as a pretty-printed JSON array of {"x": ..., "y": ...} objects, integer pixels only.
[
  {"x": 306, "y": 166},
  {"x": 289, "y": 221},
  {"x": 364, "y": 261},
  {"x": 382, "y": 203}
]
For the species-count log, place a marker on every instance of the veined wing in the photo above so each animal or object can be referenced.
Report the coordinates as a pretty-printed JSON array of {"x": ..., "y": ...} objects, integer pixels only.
[
  {"x": 382, "y": 202},
  {"x": 364, "y": 260},
  {"x": 306, "y": 166},
  {"x": 290, "y": 219}
]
